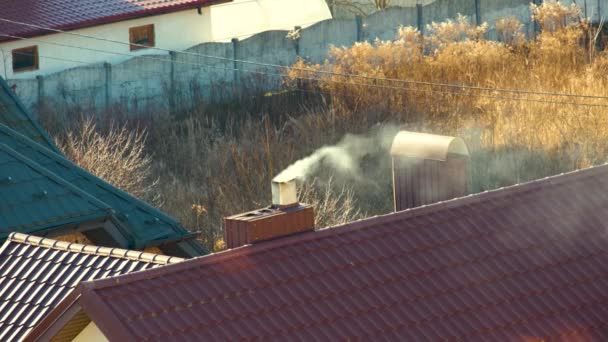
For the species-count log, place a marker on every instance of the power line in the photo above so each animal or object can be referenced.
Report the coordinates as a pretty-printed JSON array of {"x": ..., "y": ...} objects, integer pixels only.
[
  {"x": 513, "y": 91},
  {"x": 381, "y": 86}
]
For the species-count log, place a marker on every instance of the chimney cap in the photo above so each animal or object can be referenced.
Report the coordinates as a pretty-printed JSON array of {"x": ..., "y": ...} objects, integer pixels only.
[
  {"x": 284, "y": 192},
  {"x": 427, "y": 146}
]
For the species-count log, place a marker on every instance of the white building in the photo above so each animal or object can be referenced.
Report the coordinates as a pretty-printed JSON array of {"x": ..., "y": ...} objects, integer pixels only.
[
  {"x": 166, "y": 24},
  {"x": 349, "y": 8}
]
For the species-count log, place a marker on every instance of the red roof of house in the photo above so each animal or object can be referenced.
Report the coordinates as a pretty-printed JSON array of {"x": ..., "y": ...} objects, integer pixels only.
[
  {"x": 528, "y": 262},
  {"x": 74, "y": 14}
]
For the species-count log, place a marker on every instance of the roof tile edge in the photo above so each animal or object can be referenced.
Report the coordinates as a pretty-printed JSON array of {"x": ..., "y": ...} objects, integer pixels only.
[{"x": 94, "y": 250}]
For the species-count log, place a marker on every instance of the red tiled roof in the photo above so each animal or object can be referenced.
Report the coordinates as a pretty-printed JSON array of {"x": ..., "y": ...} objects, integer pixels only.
[
  {"x": 524, "y": 262},
  {"x": 73, "y": 14}
]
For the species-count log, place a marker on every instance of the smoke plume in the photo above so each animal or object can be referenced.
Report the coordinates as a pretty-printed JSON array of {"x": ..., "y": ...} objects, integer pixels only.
[{"x": 343, "y": 159}]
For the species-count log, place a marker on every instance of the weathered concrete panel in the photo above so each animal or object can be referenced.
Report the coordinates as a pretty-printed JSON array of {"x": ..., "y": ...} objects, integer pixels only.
[
  {"x": 271, "y": 47},
  {"x": 27, "y": 90},
  {"x": 384, "y": 25},
  {"x": 316, "y": 39},
  {"x": 442, "y": 10},
  {"x": 197, "y": 77},
  {"x": 82, "y": 87},
  {"x": 142, "y": 83},
  {"x": 520, "y": 9}
]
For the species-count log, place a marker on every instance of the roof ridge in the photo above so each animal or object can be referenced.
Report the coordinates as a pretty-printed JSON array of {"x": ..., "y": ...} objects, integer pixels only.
[
  {"x": 43, "y": 132},
  {"x": 338, "y": 230},
  {"x": 94, "y": 250}
]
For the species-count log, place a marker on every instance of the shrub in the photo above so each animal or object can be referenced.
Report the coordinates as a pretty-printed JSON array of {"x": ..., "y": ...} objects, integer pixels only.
[{"x": 118, "y": 156}]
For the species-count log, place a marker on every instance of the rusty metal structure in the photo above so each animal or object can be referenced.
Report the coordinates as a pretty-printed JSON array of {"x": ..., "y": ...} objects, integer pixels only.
[{"x": 428, "y": 168}]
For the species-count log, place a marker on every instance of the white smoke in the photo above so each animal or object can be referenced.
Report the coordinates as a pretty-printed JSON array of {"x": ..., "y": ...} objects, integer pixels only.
[{"x": 344, "y": 158}]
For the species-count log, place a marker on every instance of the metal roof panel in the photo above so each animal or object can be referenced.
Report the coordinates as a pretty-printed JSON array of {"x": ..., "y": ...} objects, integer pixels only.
[
  {"x": 35, "y": 199},
  {"x": 146, "y": 224}
]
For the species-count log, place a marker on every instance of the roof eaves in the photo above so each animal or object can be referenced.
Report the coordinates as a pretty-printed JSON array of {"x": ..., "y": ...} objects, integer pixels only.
[
  {"x": 45, "y": 229},
  {"x": 161, "y": 242},
  {"x": 34, "y": 123},
  {"x": 112, "y": 328}
]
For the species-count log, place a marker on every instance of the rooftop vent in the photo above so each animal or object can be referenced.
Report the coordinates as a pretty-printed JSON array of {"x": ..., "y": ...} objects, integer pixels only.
[
  {"x": 286, "y": 216},
  {"x": 428, "y": 168}
]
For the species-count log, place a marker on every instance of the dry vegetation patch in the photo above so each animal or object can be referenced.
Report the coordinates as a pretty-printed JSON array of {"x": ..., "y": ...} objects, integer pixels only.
[{"x": 213, "y": 166}]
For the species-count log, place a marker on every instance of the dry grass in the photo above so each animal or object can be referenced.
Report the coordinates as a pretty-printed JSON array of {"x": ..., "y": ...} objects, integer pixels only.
[
  {"x": 209, "y": 166},
  {"x": 118, "y": 156},
  {"x": 333, "y": 206},
  {"x": 561, "y": 59}
]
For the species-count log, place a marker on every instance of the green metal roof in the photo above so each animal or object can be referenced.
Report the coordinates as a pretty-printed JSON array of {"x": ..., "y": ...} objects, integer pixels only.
[
  {"x": 146, "y": 224},
  {"x": 143, "y": 224},
  {"x": 34, "y": 199},
  {"x": 14, "y": 114}
]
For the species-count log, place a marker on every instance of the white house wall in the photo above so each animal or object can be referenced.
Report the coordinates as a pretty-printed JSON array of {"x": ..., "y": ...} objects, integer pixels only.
[
  {"x": 175, "y": 31},
  {"x": 244, "y": 18}
]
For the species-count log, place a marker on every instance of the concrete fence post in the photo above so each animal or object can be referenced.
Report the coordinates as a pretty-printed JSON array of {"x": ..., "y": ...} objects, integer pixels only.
[
  {"x": 40, "y": 79},
  {"x": 585, "y": 9},
  {"x": 359, "y": 24},
  {"x": 296, "y": 40},
  {"x": 536, "y": 26},
  {"x": 477, "y": 13},
  {"x": 172, "y": 85},
  {"x": 108, "y": 78},
  {"x": 419, "y": 18},
  {"x": 235, "y": 65}
]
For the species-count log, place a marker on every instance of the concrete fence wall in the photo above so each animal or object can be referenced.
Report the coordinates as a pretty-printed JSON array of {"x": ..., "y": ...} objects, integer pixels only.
[{"x": 180, "y": 80}]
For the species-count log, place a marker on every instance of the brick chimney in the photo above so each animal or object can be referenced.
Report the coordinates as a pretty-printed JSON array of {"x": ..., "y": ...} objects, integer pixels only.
[
  {"x": 428, "y": 168},
  {"x": 286, "y": 216}
]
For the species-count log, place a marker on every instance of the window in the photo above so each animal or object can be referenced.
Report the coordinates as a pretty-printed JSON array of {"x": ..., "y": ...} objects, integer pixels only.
[
  {"x": 25, "y": 59},
  {"x": 142, "y": 35}
]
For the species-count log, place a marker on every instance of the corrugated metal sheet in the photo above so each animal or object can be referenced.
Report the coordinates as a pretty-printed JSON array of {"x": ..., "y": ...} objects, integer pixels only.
[
  {"x": 33, "y": 199},
  {"x": 527, "y": 262},
  {"x": 71, "y": 14},
  {"x": 36, "y": 274},
  {"x": 420, "y": 182}
]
